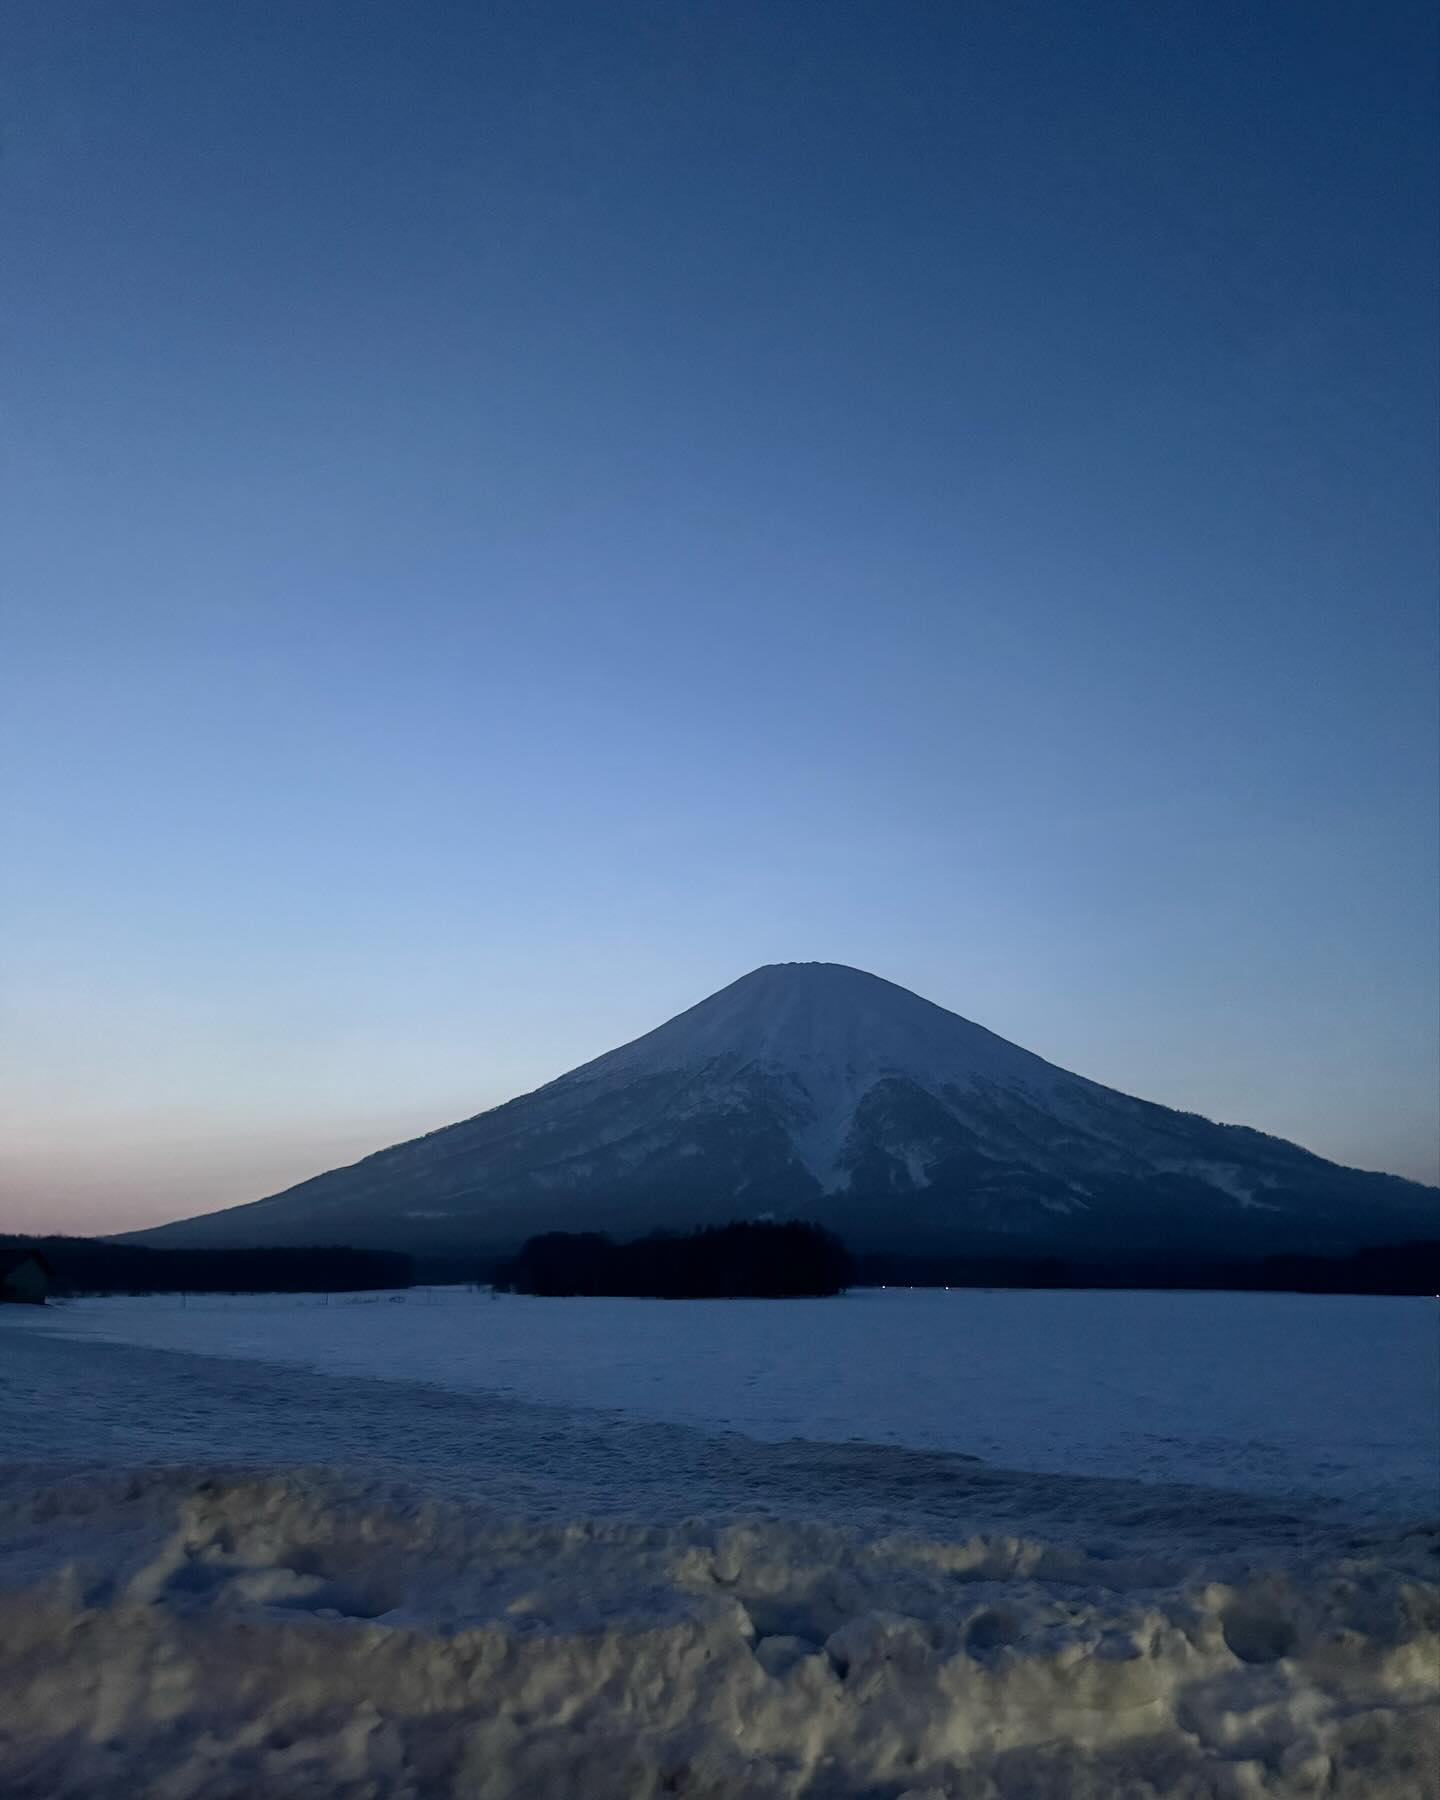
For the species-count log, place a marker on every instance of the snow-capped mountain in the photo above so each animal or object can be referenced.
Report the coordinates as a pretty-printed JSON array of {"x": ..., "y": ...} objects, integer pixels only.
[{"x": 818, "y": 1091}]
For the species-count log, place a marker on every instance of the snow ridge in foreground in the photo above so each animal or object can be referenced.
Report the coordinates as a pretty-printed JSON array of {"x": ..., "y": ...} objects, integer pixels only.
[{"x": 209, "y": 1634}]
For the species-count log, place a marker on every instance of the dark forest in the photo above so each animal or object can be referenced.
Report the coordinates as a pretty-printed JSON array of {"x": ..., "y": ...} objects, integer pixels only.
[
  {"x": 94, "y": 1266},
  {"x": 740, "y": 1260}
]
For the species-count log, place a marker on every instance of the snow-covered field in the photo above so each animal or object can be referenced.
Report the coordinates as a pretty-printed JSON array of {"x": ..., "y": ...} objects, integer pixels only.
[
  {"x": 1301, "y": 1394},
  {"x": 463, "y": 1547}
]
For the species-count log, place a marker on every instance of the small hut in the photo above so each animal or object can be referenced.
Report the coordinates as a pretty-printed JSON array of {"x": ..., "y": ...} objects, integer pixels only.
[{"x": 25, "y": 1277}]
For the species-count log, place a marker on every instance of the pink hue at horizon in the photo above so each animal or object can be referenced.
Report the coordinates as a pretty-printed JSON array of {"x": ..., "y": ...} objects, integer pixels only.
[{"x": 154, "y": 1175}]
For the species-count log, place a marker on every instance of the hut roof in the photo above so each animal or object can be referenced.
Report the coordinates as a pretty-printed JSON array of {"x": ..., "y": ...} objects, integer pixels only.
[{"x": 12, "y": 1257}]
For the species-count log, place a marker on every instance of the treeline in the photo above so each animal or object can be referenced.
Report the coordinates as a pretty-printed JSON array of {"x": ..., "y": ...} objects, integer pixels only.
[
  {"x": 94, "y": 1266},
  {"x": 718, "y": 1262},
  {"x": 1412, "y": 1268},
  {"x": 759, "y": 1259}
]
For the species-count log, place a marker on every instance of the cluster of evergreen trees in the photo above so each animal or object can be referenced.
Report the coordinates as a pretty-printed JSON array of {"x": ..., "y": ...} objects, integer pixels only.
[
  {"x": 720, "y": 1262},
  {"x": 93, "y": 1266}
]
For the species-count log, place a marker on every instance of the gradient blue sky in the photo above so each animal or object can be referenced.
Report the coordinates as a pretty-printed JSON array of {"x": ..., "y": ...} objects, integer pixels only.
[{"x": 516, "y": 514}]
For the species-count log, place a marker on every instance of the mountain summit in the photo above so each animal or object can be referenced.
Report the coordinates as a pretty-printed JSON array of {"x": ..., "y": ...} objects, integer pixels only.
[{"x": 817, "y": 1091}]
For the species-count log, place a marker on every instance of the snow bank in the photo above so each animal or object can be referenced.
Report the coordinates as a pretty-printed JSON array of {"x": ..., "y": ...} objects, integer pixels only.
[{"x": 188, "y": 1634}]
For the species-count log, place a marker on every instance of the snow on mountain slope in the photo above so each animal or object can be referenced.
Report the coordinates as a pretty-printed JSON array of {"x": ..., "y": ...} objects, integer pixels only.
[
  {"x": 816, "y": 1090},
  {"x": 818, "y": 1019},
  {"x": 827, "y": 1035}
]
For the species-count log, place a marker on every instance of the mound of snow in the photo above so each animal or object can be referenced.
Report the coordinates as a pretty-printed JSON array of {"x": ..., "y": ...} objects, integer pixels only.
[{"x": 189, "y": 1634}]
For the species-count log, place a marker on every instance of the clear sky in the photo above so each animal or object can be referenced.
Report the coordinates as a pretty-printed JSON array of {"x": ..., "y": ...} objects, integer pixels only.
[{"x": 515, "y": 514}]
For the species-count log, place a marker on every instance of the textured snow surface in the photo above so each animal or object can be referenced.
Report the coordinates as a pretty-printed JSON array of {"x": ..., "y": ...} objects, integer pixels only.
[
  {"x": 1270, "y": 1393},
  {"x": 493, "y": 1598},
  {"x": 198, "y": 1635}
]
